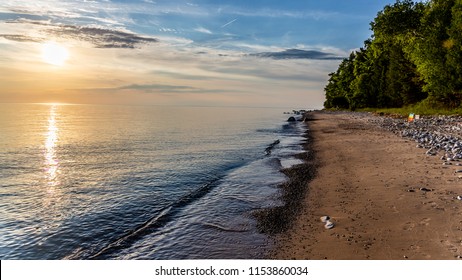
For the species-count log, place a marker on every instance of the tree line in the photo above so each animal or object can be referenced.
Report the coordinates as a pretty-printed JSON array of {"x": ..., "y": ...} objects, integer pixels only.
[{"x": 414, "y": 56}]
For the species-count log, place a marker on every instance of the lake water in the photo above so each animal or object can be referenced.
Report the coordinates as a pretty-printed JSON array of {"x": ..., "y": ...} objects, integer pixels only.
[{"x": 139, "y": 182}]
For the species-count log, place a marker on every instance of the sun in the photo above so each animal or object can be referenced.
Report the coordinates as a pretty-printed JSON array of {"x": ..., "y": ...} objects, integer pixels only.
[{"x": 54, "y": 53}]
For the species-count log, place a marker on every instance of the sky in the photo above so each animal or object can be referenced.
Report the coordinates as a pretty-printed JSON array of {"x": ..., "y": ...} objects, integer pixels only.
[{"x": 251, "y": 53}]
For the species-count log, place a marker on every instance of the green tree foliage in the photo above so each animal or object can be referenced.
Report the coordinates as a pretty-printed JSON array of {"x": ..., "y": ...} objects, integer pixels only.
[
  {"x": 339, "y": 84},
  {"x": 415, "y": 54},
  {"x": 431, "y": 51}
]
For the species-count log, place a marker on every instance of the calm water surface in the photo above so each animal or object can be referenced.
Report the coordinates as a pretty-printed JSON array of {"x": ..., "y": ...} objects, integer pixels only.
[{"x": 120, "y": 182}]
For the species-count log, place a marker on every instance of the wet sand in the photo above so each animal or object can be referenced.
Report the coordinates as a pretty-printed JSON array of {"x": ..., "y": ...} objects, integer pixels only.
[{"x": 368, "y": 181}]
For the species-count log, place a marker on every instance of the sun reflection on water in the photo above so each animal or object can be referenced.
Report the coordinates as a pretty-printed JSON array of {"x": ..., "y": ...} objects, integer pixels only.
[{"x": 51, "y": 160}]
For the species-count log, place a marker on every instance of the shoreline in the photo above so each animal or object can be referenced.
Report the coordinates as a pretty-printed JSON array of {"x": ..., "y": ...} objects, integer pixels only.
[
  {"x": 369, "y": 181},
  {"x": 277, "y": 220}
]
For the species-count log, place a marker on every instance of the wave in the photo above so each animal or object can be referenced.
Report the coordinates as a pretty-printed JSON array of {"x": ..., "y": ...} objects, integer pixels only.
[
  {"x": 159, "y": 220},
  {"x": 168, "y": 214},
  {"x": 223, "y": 228}
]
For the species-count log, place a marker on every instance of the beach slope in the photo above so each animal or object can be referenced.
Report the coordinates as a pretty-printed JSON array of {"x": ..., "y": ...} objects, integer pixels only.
[{"x": 386, "y": 197}]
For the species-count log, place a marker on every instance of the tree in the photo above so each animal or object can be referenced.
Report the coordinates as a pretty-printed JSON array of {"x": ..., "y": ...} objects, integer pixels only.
[
  {"x": 383, "y": 73},
  {"x": 436, "y": 52},
  {"x": 392, "y": 29},
  {"x": 339, "y": 84},
  {"x": 453, "y": 48},
  {"x": 396, "y": 21}
]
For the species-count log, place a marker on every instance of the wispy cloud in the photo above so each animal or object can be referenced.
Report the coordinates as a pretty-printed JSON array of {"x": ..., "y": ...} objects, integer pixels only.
[
  {"x": 158, "y": 88},
  {"x": 22, "y": 38},
  {"x": 98, "y": 36},
  {"x": 298, "y": 54},
  {"x": 203, "y": 30},
  {"x": 102, "y": 38},
  {"x": 280, "y": 13}
]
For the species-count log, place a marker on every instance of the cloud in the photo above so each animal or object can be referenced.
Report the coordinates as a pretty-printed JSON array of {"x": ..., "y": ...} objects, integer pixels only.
[
  {"x": 102, "y": 38},
  {"x": 155, "y": 90},
  {"x": 22, "y": 38},
  {"x": 98, "y": 36},
  {"x": 203, "y": 30},
  {"x": 298, "y": 54},
  {"x": 159, "y": 87},
  {"x": 184, "y": 76},
  {"x": 278, "y": 13}
]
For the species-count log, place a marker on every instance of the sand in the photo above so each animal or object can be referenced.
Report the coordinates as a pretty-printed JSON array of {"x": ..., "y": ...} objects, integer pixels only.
[{"x": 368, "y": 181}]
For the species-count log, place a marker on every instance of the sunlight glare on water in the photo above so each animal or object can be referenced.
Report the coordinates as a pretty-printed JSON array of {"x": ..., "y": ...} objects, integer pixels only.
[{"x": 51, "y": 161}]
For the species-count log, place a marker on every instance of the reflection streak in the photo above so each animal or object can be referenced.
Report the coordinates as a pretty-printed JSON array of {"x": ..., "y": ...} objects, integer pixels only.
[{"x": 51, "y": 161}]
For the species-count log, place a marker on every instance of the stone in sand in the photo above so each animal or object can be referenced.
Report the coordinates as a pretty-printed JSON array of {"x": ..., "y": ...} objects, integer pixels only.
[
  {"x": 329, "y": 225},
  {"x": 324, "y": 219}
]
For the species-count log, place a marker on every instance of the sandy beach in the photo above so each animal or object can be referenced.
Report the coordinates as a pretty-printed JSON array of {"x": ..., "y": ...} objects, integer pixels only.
[{"x": 369, "y": 181}]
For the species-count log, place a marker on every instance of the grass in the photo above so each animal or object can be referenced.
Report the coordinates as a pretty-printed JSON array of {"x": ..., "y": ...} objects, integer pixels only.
[{"x": 418, "y": 109}]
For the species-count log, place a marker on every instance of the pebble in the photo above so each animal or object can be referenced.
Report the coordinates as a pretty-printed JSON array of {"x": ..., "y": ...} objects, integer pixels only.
[
  {"x": 329, "y": 225},
  {"x": 436, "y": 134},
  {"x": 324, "y": 219}
]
